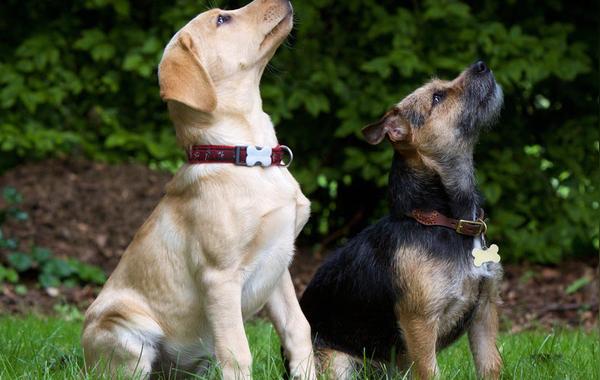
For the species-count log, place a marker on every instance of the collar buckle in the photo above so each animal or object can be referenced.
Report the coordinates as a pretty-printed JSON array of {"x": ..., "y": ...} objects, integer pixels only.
[
  {"x": 474, "y": 227},
  {"x": 256, "y": 155}
]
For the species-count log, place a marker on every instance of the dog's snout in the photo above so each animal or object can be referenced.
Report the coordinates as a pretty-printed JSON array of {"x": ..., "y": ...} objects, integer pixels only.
[{"x": 480, "y": 67}]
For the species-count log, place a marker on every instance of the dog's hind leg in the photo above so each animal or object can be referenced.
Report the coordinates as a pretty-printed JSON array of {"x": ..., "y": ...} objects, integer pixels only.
[
  {"x": 336, "y": 365},
  {"x": 120, "y": 341},
  {"x": 482, "y": 336},
  {"x": 293, "y": 329}
]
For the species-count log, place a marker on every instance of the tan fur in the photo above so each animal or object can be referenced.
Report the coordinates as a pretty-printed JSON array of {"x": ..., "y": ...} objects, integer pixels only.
[
  {"x": 483, "y": 333},
  {"x": 432, "y": 137},
  {"x": 428, "y": 306},
  {"x": 420, "y": 335},
  {"x": 184, "y": 79},
  {"x": 436, "y": 135},
  {"x": 336, "y": 364},
  {"x": 217, "y": 246}
]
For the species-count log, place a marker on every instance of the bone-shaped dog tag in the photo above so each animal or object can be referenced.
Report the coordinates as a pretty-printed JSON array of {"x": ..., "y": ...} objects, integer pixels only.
[
  {"x": 256, "y": 155},
  {"x": 481, "y": 256}
]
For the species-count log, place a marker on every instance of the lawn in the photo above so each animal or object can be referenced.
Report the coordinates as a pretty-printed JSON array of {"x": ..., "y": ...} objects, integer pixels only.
[{"x": 48, "y": 348}]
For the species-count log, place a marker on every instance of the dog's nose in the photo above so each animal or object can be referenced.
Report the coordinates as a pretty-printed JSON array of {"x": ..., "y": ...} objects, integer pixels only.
[{"x": 480, "y": 67}]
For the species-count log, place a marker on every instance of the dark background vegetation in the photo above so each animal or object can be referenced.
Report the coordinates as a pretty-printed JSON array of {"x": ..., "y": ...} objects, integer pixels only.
[{"x": 78, "y": 78}]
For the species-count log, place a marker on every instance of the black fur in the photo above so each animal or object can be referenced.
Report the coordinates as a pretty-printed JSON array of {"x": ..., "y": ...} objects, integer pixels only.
[
  {"x": 416, "y": 119},
  {"x": 350, "y": 301}
]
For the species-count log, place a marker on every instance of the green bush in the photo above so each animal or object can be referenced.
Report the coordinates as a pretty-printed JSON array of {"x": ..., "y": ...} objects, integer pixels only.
[{"x": 79, "y": 77}]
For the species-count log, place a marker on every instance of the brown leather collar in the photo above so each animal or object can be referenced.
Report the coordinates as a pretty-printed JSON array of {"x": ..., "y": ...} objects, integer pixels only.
[{"x": 461, "y": 226}]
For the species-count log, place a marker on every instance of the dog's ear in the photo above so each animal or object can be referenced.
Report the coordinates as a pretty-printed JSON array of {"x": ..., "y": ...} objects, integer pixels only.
[
  {"x": 183, "y": 78},
  {"x": 391, "y": 124}
]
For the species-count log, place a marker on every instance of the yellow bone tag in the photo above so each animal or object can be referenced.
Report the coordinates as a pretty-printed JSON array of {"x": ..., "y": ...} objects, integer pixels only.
[{"x": 481, "y": 256}]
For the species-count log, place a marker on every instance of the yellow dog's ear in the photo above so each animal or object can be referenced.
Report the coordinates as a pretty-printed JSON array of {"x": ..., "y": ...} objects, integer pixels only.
[{"x": 183, "y": 78}]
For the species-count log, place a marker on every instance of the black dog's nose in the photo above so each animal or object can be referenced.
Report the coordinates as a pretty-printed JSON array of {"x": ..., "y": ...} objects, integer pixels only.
[{"x": 480, "y": 67}]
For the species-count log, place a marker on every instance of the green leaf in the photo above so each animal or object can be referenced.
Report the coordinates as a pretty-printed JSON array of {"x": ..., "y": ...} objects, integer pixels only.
[
  {"x": 577, "y": 285},
  {"x": 10, "y": 244},
  {"x": 492, "y": 192},
  {"x": 89, "y": 39},
  {"x": 18, "y": 214},
  {"x": 58, "y": 268},
  {"x": 20, "y": 261},
  {"x": 379, "y": 65},
  {"x": 21, "y": 289},
  {"x": 12, "y": 276},
  {"x": 12, "y": 196},
  {"x": 47, "y": 280},
  {"x": 91, "y": 274},
  {"x": 132, "y": 61},
  {"x": 2, "y": 273},
  {"x": 40, "y": 255},
  {"x": 70, "y": 283},
  {"x": 103, "y": 52}
]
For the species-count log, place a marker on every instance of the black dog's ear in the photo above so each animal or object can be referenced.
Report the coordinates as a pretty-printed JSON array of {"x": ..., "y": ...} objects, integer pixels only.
[{"x": 391, "y": 124}]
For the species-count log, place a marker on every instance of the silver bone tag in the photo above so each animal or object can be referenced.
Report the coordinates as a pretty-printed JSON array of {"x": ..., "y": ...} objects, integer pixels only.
[{"x": 257, "y": 155}]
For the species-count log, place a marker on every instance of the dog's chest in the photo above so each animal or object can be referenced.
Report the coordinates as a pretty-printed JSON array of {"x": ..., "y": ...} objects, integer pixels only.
[
  {"x": 261, "y": 278},
  {"x": 273, "y": 252},
  {"x": 457, "y": 309},
  {"x": 464, "y": 293}
]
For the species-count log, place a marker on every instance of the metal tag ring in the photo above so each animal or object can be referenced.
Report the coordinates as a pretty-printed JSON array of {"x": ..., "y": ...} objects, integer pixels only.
[{"x": 290, "y": 153}]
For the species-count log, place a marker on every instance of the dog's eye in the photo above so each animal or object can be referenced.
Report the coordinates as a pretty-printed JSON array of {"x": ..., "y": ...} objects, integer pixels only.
[
  {"x": 437, "y": 98},
  {"x": 222, "y": 19}
]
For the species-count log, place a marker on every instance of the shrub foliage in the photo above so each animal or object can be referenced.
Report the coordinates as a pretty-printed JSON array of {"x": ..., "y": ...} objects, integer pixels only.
[{"x": 79, "y": 77}]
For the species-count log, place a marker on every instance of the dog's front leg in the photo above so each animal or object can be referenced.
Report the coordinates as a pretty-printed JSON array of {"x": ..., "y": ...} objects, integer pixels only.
[
  {"x": 224, "y": 313},
  {"x": 293, "y": 328},
  {"x": 482, "y": 337},
  {"x": 420, "y": 335}
]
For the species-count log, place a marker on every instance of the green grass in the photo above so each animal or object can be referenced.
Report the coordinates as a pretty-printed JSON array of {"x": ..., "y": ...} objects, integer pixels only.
[{"x": 48, "y": 348}]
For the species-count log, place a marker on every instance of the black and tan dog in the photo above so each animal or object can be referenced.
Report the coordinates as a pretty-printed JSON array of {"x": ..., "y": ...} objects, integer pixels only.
[{"x": 407, "y": 286}]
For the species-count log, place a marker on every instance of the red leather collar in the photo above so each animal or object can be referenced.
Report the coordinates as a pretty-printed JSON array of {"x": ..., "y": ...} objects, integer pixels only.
[
  {"x": 240, "y": 155},
  {"x": 463, "y": 227}
]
